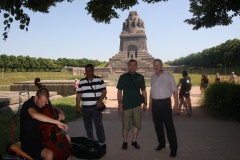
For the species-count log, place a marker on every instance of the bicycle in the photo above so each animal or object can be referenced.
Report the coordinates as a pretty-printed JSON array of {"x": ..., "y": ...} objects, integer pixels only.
[{"x": 187, "y": 106}]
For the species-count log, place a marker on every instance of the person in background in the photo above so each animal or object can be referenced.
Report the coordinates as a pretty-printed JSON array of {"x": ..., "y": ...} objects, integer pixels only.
[
  {"x": 163, "y": 87},
  {"x": 129, "y": 102},
  {"x": 202, "y": 84},
  {"x": 224, "y": 79},
  {"x": 217, "y": 77},
  {"x": 233, "y": 77},
  {"x": 208, "y": 80},
  {"x": 186, "y": 86},
  {"x": 76, "y": 85}
]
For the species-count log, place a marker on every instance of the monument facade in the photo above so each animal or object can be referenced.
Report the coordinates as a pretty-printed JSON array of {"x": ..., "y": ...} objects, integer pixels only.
[{"x": 133, "y": 45}]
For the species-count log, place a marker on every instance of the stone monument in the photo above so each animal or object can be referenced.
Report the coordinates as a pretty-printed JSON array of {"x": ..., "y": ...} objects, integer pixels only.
[{"x": 133, "y": 45}]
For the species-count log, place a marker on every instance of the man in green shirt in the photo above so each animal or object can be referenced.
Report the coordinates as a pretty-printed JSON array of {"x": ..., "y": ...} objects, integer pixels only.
[{"x": 130, "y": 103}]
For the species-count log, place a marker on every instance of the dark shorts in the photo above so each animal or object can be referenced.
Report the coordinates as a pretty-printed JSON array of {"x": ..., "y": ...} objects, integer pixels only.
[
  {"x": 204, "y": 86},
  {"x": 33, "y": 148},
  {"x": 184, "y": 94}
]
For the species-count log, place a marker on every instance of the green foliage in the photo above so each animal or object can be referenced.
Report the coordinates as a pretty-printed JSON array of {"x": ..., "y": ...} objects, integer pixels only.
[
  {"x": 224, "y": 55},
  {"x": 5, "y": 128},
  {"x": 221, "y": 70},
  {"x": 30, "y": 64},
  {"x": 67, "y": 104},
  {"x": 165, "y": 64},
  {"x": 209, "y": 13},
  {"x": 206, "y": 13},
  {"x": 223, "y": 101},
  {"x": 102, "y": 65}
]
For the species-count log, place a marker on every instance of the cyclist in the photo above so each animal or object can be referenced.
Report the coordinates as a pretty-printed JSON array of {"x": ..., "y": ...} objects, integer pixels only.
[{"x": 186, "y": 86}]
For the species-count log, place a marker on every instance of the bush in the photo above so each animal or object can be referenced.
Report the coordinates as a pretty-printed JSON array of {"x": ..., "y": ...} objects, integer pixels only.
[{"x": 223, "y": 101}]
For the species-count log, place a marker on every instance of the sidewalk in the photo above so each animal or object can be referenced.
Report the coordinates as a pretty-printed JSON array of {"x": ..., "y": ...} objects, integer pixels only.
[{"x": 199, "y": 136}]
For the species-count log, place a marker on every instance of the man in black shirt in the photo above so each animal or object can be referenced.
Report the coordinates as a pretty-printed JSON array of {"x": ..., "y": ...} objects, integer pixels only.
[{"x": 31, "y": 136}]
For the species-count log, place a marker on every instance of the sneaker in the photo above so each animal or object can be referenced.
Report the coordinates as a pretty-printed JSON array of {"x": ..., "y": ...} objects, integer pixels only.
[{"x": 124, "y": 145}]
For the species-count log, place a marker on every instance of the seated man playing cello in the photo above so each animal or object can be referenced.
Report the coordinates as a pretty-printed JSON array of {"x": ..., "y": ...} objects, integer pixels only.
[{"x": 31, "y": 135}]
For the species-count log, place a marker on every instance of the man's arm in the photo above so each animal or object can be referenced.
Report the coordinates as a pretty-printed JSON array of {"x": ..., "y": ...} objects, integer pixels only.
[
  {"x": 175, "y": 96},
  {"x": 99, "y": 102},
  {"x": 144, "y": 93},
  {"x": 150, "y": 103},
  {"x": 119, "y": 97},
  {"x": 78, "y": 99},
  {"x": 61, "y": 115},
  {"x": 43, "y": 118}
]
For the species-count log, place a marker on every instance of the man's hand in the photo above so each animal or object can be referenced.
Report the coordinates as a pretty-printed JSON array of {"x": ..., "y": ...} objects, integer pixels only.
[
  {"x": 175, "y": 108},
  {"x": 61, "y": 116},
  {"x": 150, "y": 108},
  {"x": 62, "y": 125},
  {"x": 99, "y": 104},
  {"x": 120, "y": 107},
  {"x": 144, "y": 107},
  {"x": 78, "y": 109}
]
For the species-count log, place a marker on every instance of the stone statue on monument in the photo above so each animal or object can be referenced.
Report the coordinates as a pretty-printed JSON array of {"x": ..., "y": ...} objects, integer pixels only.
[
  {"x": 142, "y": 24},
  {"x": 135, "y": 22},
  {"x": 139, "y": 23},
  {"x": 129, "y": 23}
]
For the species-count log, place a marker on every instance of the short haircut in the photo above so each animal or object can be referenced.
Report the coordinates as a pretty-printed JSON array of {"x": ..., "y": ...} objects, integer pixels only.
[
  {"x": 89, "y": 65},
  {"x": 43, "y": 92},
  {"x": 132, "y": 60},
  {"x": 157, "y": 60},
  {"x": 184, "y": 73}
]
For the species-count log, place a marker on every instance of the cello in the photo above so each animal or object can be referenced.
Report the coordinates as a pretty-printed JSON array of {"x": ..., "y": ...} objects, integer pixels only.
[{"x": 54, "y": 138}]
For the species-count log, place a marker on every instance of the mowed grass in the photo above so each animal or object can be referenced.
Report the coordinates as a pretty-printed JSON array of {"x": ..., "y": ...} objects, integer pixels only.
[
  {"x": 30, "y": 76},
  {"x": 67, "y": 104}
]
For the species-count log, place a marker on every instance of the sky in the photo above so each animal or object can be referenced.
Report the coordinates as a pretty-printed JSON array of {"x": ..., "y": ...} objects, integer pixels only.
[{"x": 69, "y": 32}]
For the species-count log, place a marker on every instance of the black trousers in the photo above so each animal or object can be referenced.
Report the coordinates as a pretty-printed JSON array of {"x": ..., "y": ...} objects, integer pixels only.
[
  {"x": 90, "y": 115},
  {"x": 162, "y": 116}
]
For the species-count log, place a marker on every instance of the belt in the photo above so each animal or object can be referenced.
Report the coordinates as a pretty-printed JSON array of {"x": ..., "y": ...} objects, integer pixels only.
[{"x": 161, "y": 99}]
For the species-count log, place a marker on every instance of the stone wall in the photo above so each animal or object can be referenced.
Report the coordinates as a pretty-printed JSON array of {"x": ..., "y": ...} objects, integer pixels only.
[
  {"x": 81, "y": 70},
  {"x": 62, "y": 87}
]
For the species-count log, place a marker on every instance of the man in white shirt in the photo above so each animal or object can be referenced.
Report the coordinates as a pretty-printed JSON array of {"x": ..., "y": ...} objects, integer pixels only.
[{"x": 163, "y": 86}]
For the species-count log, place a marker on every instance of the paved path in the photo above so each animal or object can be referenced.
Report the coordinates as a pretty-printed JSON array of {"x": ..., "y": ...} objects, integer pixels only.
[{"x": 200, "y": 137}]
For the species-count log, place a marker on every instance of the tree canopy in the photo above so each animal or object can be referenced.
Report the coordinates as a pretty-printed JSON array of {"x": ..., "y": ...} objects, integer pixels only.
[
  {"x": 206, "y": 13},
  {"x": 29, "y": 64},
  {"x": 224, "y": 55}
]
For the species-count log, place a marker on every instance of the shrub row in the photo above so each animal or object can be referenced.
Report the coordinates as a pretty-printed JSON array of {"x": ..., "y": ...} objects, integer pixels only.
[{"x": 223, "y": 100}]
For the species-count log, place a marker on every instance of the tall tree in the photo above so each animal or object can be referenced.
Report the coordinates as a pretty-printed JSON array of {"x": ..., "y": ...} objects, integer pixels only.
[
  {"x": 206, "y": 13},
  {"x": 5, "y": 59}
]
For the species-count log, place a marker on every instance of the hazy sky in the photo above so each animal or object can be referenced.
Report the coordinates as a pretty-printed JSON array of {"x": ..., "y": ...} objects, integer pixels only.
[{"x": 68, "y": 32}]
